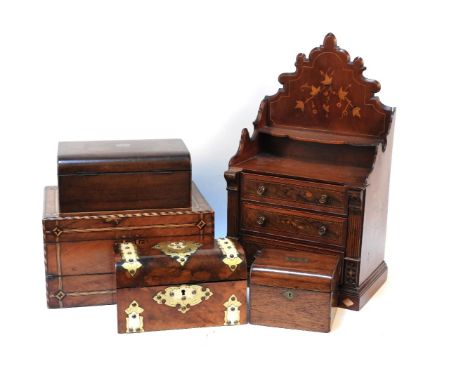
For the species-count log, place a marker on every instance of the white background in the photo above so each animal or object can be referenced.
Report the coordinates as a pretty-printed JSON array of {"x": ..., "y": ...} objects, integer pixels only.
[{"x": 90, "y": 70}]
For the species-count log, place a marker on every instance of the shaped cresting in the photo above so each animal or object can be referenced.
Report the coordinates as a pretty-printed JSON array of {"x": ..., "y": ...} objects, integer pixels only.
[{"x": 326, "y": 94}]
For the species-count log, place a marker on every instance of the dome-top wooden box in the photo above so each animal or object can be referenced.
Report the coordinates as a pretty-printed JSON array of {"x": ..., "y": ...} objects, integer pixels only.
[{"x": 123, "y": 175}]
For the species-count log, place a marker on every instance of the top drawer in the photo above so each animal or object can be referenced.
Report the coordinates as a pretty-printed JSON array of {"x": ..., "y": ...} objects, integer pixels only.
[{"x": 294, "y": 193}]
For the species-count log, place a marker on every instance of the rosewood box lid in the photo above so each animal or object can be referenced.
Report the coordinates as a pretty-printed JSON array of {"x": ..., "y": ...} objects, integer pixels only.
[
  {"x": 123, "y": 156},
  {"x": 179, "y": 262},
  {"x": 291, "y": 269},
  {"x": 123, "y": 175}
]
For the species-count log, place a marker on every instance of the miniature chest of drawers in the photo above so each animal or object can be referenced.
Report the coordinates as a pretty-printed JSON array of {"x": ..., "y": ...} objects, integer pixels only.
[{"x": 315, "y": 174}]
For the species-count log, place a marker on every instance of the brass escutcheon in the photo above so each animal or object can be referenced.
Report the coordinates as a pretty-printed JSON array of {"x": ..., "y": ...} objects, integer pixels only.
[
  {"x": 289, "y": 294},
  {"x": 183, "y": 297}
]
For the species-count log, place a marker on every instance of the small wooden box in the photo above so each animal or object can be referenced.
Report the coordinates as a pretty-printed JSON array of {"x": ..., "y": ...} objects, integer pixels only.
[
  {"x": 180, "y": 285},
  {"x": 295, "y": 290},
  {"x": 79, "y": 247},
  {"x": 123, "y": 175}
]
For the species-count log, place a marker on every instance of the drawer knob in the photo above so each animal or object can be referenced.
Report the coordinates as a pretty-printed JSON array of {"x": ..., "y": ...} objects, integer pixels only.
[
  {"x": 261, "y": 220},
  {"x": 323, "y": 199},
  {"x": 261, "y": 190},
  {"x": 322, "y": 230}
]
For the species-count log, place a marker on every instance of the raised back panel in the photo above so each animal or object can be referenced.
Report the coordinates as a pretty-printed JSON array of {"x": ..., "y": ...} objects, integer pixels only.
[{"x": 329, "y": 93}]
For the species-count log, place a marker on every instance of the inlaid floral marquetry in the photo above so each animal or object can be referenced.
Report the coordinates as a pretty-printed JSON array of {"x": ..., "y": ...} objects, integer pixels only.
[{"x": 325, "y": 95}]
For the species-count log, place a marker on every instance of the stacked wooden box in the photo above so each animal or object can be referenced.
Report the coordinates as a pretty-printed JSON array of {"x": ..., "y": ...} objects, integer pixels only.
[{"x": 137, "y": 195}]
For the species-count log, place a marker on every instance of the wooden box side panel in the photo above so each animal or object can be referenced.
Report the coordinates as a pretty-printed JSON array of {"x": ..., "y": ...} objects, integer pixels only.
[
  {"x": 126, "y": 224},
  {"x": 85, "y": 290},
  {"x": 98, "y": 256},
  {"x": 306, "y": 310},
  {"x": 375, "y": 212},
  {"x": 125, "y": 191},
  {"x": 210, "y": 312}
]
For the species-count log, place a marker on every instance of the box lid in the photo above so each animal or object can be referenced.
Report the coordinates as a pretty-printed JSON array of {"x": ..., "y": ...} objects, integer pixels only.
[
  {"x": 122, "y": 156},
  {"x": 290, "y": 269},
  {"x": 184, "y": 262}
]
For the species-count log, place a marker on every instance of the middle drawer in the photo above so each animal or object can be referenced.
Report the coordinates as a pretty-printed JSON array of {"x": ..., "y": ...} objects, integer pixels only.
[{"x": 294, "y": 224}]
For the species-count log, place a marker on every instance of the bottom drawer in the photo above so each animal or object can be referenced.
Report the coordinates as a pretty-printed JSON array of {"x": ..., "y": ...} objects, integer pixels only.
[
  {"x": 163, "y": 307},
  {"x": 83, "y": 290}
]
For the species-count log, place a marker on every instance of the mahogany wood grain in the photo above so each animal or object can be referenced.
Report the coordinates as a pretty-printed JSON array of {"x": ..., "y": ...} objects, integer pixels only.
[
  {"x": 375, "y": 211},
  {"x": 122, "y": 191}
]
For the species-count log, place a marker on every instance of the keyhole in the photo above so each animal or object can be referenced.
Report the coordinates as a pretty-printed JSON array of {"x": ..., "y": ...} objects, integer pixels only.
[{"x": 183, "y": 292}]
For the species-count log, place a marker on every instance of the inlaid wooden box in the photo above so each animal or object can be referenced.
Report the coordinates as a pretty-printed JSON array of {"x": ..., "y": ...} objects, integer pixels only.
[
  {"x": 79, "y": 247},
  {"x": 181, "y": 284},
  {"x": 123, "y": 175},
  {"x": 295, "y": 290}
]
